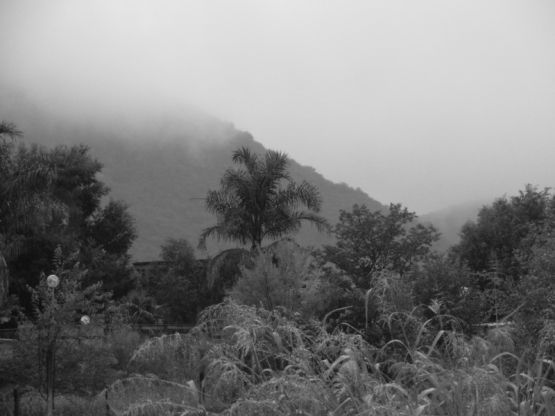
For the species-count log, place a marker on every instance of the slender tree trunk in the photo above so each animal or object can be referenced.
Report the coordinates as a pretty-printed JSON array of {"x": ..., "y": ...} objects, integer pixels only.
[
  {"x": 4, "y": 281},
  {"x": 50, "y": 366},
  {"x": 16, "y": 401}
]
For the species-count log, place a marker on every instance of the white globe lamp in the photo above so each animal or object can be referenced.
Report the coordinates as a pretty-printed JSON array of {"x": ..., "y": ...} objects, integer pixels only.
[
  {"x": 85, "y": 320},
  {"x": 52, "y": 281}
]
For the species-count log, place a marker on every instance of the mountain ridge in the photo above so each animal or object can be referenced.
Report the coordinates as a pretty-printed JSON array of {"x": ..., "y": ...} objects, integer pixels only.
[{"x": 162, "y": 168}]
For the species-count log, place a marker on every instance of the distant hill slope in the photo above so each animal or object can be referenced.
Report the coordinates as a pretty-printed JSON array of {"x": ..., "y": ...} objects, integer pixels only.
[
  {"x": 164, "y": 166},
  {"x": 450, "y": 220}
]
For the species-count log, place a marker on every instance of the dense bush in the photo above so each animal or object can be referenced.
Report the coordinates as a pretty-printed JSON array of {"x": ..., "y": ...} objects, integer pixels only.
[
  {"x": 258, "y": 362},
  {"x": 244, "y": 360},
  {"x": 278, "y": 277}
]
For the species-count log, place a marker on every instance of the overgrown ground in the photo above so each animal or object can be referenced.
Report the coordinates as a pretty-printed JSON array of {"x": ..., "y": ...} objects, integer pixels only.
[{"x": 241, "y": 360}]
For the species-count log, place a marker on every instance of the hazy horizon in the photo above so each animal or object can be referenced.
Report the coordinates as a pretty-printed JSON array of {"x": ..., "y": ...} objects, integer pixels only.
[{"x": 427, "y": 103}]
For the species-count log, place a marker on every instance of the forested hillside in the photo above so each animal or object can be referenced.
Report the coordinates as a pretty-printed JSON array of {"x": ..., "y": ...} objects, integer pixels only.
[
  {"x": 375, "y": 323},
  {"x": 163, "y": 166}
]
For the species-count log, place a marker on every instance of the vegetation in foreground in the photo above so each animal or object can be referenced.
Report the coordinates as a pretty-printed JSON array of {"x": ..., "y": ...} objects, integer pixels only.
[
  {"x": 243, "y": 360},
  {"x": 376, "y": 324}
]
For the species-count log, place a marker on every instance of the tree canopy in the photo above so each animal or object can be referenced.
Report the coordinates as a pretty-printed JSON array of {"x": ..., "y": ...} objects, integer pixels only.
[
  {"x": 260, "y": 201},
  {"x": 52, "y": 198},
  {"x": 502, "y": 236},
  {"x": 369, "y": 242}
]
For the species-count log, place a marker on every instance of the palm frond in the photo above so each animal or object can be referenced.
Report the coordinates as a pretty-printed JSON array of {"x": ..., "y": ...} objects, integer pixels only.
[
  {"x": 215, "y": 265},
  {"x": 291, "y": 221},
  {"x": 219, "y": 202},
  {"x": 246, "y": 157},
  {"x": 276, "y": 165},
  {"x": 222, "y": 232},
  {"x": 9, "y": 129},
  {"x": 295, "y": 195}
]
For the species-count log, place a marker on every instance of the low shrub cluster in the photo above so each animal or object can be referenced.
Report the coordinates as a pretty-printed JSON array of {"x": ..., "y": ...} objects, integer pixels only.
[{"x": 243, "y": 360}]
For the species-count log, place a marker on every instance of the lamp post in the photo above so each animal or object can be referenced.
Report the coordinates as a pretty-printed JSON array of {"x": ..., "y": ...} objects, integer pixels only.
[
  {"x": 58, "y": 313},
  {"x": 52, "y": 282}
]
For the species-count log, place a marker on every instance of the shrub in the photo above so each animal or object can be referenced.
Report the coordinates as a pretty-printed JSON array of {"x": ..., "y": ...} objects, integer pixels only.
[
  {"x": 174, "y": 357},
  {"x": 123, "y": 341},
  {"x": 251, "y": 361},
  {"x": 277, "y": 278},
  {"x": 133, "y": 392}
]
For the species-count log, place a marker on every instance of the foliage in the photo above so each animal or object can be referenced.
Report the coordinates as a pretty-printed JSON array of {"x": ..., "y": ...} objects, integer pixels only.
[
  {"x": 21, "y": 198},
  {"x": 278, "y": 278},
  {"x": 123, "y": 340},
  {"x": 112, "y": 228},
  {"x": 53, "y": 197},
  {"x": 254, "y": 361},
  {"x": 178, "y": 287},
  {"x": 535, "y": 293},
  {"x": 223, "y": 270},
  {"x": 508, "y": 250},
  {"x": 179, "y": 254},
  {"x": 138, "y": 308},
  {"x": 31, "y": 403},
  {"x": 371, "y": 242},
  {"x": 126, "y": 394},
  {"x": 175, "y": 357},
  {"x": 260, "y": 201},
  {"x": 389, "y": 338},
  {"x": 57, "y": 345},
  {"x": 113, "y": 271},
  {"x": 333, "y": 295},
  {"x": 504, "y": 233},
  {"x": 439, "y": 280},
  {"x": 260, "y": 362}
]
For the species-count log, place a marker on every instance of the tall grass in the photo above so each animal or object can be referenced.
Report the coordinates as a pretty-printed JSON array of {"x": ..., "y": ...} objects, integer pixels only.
[{"x": 243, "y": 360}]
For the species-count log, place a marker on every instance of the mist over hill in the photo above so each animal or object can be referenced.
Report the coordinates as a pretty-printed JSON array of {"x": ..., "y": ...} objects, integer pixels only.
[
  {"x": 163, "y": 163},
  {"x": 450, "y": 220}
]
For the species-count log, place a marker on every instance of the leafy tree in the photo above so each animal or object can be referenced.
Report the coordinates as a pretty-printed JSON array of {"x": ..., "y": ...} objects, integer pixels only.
[
  {"x": 24, "y": 199},
  {"x": 534, "y": 294},
  {"x": 502, "y": 236},
  {"x": 260, "y": 201},
  {"x": 56, "y": 214},
  {"x": 179, "y": 254},
  {"x": 51, "y": 198},
  {"x": 371, "y": 242},
  {"x": 178, "y": 287},
  {"x": 113, "y": 228},
  {"x": 60, "y": 305},
  {"x": 106, "y": 239}
]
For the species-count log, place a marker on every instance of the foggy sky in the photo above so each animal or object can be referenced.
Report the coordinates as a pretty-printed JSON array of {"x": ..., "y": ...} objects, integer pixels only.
[{"x": 428, "y": 103}]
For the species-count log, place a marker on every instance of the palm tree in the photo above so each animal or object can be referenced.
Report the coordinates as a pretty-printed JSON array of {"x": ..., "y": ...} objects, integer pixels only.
[{"x": 260, "y": 201}]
